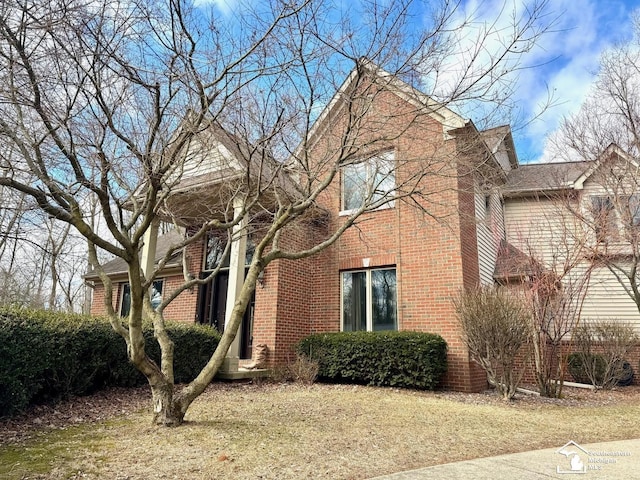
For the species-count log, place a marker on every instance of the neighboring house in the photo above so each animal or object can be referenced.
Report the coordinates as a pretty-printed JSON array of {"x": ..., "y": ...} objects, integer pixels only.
[
  {"x": 580, "y": 216},
  {"x": 400, "y": 267}
]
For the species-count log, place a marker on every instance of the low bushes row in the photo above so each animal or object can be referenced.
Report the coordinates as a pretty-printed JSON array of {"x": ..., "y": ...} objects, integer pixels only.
[
  {"x": 398, "y": 359},
  {"x": 46, "y": 356},
  {"x": 593, "y": 369},
  {"x": 602, "y": 347}
]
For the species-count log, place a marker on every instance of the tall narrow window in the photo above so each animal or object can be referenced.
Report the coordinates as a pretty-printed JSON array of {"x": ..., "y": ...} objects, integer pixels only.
[
  {"x": 369, "y": 300},
  {"x": 215, "y": 254},
  {"x": 603, "y": 216},
  {"x": 155, "y": 294},
  {"x": 125, "y": 299},
  {"x": 634, "y": 210},
  {"x": 368, "y": 181},
  {"x": 354, "y": 301}
]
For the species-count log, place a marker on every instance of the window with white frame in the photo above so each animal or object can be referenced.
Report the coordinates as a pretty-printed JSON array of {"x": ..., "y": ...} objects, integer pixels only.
[
  {"x": 368, "y": 181},
  {"x": 369, "y": 300},
  {"x": 125, "y": 296}
]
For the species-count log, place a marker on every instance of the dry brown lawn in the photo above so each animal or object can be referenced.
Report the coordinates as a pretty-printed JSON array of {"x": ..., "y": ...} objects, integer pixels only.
[{"x": 284, "y": 431}]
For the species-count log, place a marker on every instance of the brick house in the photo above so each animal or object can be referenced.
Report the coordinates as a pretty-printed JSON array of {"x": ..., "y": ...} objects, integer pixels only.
[{"x": 397, "y": 268}]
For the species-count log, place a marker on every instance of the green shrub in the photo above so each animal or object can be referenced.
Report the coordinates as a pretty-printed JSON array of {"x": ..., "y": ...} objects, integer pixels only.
[
  {"x": 47, "y": 356},
  {"x": 399, "y": 359},
  {"x": 194, "y": 345}
]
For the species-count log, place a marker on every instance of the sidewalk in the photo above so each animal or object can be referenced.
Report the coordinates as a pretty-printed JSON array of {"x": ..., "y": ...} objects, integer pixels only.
[{"x": 609, "y": 460}]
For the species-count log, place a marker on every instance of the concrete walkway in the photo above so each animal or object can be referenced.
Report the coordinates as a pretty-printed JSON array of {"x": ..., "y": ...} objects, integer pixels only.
[{"x": 609, "y": 460}]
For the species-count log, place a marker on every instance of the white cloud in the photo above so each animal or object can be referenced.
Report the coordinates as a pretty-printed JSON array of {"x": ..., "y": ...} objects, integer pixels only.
[
  {"x": 225, "y": 6},
  {"x": 563, "y": 61},
  {"x": 573, "y": 49}
]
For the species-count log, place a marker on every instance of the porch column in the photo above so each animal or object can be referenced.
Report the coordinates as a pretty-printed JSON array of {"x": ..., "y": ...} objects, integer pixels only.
[
  {"x": 236, "y": 279},
  {"x": 148, "y": 255}
]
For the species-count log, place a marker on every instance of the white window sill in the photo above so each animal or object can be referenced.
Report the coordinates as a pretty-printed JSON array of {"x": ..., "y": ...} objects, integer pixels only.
[{"x": 346, "y": 213}]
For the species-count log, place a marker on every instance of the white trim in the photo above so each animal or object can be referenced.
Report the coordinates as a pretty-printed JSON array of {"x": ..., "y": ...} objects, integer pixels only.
[
  {"x": 608, "y": 152},
  {"x": 346, "y": 213},
  {"x": 387, "y": 156}
]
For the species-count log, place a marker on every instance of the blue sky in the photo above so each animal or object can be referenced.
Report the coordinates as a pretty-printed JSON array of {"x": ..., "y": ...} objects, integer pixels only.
[
  {"x": 564, "y": 62},
  {"x": 570, "y": 58}
]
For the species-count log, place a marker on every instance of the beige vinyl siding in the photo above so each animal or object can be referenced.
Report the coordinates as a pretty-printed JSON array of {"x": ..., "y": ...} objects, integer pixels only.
[
  {"x": 489, "y": 231},
  {"x": 502, "y": 156},
  {"x": 545, "y": 228},
  {"x": 606, "y": 299},
  {"x": 204, "y": 157},
  {"x": 535, "y": 226}
]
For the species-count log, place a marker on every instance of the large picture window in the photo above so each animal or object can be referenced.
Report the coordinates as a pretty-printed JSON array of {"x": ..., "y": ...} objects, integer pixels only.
[
  {"x": 368, "y": 181},
  {"x": 369, "y": 300}
]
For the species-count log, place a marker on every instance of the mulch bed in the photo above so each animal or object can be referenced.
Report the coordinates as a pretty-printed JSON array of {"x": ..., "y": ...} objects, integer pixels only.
[{"x": 102, "y": 405}]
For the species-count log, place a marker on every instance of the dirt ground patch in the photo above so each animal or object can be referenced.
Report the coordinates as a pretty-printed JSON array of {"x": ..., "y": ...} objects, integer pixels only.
[{"x": 284, "y": 431}]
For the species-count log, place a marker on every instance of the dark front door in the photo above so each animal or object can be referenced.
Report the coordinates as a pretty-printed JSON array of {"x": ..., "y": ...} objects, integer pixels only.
[{"x": 213, "y": 305}]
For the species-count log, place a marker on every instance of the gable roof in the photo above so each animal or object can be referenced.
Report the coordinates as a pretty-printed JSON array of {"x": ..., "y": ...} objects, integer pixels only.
[
  {"x": 447, "y": 117},
  {"x": 611, "y": 151},
  {"x": 118, "y": 267},
  {"x": 500, "y": 138},
  {"x": 512, "y": 263},
  {"x": 544, "y": 177}
]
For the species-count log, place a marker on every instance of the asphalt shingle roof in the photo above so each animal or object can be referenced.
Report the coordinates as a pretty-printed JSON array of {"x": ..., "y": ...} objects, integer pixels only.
[
  {"x": 118, "y": 266},
  {"x": 538, "y": 177}
]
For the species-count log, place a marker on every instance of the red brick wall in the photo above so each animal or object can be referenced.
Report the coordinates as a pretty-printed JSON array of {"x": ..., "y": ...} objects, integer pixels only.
[
  {"x": 97, "y": 300},
  {"x": 283, "y": 301},
  {"x": 432, "y": 244},
  {"x": 184, "y": 307},
  {"x": 529, "y": 379}
]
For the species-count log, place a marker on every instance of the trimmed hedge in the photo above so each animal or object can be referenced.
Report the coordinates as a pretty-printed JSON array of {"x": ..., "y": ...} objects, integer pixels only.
[
  {"x": 47, "y": 356},
  {"x": 398, "y": 359}
]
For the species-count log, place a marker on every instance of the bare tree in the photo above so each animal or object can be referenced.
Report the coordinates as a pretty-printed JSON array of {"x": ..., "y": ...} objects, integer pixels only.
[
  {"x": 606, "y": 133},
  {"x": 552, "y": 268},
  {"x": 37, "y": 258},
  {"x": 124, "y": 102},
  {"x": 556, "y": 294}
]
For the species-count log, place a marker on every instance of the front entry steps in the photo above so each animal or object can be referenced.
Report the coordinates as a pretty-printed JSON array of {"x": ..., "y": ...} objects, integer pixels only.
[
  {"x": 233, "y": 369},
  {"x": 243, "y": 374}
]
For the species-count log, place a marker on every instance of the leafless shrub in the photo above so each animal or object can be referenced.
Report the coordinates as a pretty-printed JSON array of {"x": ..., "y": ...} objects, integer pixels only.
[
  {"x": 301, "y": 370},
  {"x": 602, "y": 347},
  {"x": 496, "y": 330}
]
